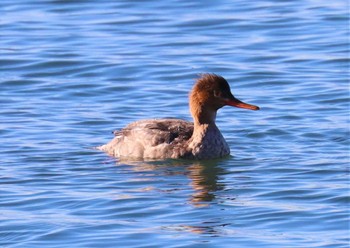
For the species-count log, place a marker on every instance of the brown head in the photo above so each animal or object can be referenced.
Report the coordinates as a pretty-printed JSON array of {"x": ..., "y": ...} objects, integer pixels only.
[{"x": 210, "y": 93}]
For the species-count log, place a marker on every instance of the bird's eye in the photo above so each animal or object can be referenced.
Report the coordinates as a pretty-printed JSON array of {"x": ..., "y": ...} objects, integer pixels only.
[{"x": 217, "y": 94}]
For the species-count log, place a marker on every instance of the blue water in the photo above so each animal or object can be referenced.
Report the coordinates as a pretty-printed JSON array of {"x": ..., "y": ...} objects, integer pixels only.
[{"x": 73, "y": 71}]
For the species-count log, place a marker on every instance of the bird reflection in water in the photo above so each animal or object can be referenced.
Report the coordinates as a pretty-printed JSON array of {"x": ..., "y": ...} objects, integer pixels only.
[
  {"x": 204, "y": 180},
  {"x": 203, "y": 176}
]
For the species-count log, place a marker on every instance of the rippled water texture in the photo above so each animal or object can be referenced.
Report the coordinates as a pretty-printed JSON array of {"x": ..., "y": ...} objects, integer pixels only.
[{"x": 73, "y": 71}]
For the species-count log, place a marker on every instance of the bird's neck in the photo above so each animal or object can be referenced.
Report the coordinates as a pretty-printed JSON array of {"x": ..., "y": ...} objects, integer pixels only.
[
  {"x": 207, "y": 141},
  {"x": 204, "y": 123},
  {"x": 203, "y": 115}
]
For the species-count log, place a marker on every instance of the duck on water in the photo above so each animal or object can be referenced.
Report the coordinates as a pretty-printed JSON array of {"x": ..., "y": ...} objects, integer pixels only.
[{"x": 175, "y": 138}]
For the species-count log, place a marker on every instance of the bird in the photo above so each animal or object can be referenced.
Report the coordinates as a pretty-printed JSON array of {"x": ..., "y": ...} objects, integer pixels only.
[{"x": 170, "y": 138}]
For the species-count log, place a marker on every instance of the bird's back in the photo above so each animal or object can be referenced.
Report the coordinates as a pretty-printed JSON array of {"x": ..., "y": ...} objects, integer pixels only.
[{"x": 158, "y": 138}]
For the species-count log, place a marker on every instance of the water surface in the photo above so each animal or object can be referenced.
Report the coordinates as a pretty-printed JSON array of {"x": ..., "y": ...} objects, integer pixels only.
[{"x": 73, "y": 71}]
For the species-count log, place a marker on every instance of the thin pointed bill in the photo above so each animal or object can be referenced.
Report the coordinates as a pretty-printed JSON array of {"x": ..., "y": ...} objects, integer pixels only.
[{"x": 239, "y": 104}]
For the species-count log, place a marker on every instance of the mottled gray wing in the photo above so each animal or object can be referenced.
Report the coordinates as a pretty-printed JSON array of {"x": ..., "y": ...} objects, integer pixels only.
[{"x": 160, "y": 130}]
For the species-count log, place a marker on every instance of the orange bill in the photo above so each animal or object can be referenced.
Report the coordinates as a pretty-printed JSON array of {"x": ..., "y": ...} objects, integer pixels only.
[{"x": 239, "y": 104}]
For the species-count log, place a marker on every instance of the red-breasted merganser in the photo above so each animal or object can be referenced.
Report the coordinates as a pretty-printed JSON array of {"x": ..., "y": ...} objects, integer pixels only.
[{"x": 175, "y": 138}]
